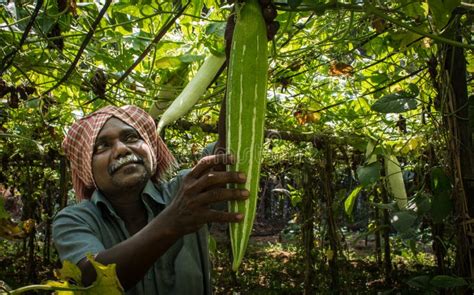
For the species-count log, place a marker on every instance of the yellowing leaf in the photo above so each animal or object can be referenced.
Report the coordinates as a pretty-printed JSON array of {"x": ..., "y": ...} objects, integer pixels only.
[
  {"x": 28, "y": 225},
  {"x": 329, "y": 254},
  {"x": 340, "y": 69},
  {"x": 411, "y": 145},
  {"x": 107, "y": 281},
  {"x": 10, "y": 230},
  {"x": 69, "y": 271},
  {"x": 168, "y": 62}
]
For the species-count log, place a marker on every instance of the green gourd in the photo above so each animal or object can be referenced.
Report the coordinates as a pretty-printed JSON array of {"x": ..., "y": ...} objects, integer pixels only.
[{"x": 245, "y": 114}]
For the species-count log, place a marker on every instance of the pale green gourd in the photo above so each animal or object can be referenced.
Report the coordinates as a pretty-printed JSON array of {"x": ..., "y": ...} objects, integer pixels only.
[
  {"x": 193, "y": 91},
  {"x": 394, "y": 176}
]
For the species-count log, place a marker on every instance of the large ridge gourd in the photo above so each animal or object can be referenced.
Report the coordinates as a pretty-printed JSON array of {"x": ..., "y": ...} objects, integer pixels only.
[{"x": 245, "y": 113}]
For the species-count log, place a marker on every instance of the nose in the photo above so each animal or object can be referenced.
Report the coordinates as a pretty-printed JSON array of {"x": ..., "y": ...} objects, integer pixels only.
[{"x": 120, "y": 149}]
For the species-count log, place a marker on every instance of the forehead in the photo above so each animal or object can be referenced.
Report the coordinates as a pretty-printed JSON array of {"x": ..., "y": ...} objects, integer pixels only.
[{"x": 114, "y": 126}]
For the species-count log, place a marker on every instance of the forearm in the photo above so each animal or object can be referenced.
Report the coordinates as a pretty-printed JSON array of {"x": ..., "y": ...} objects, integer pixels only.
[{"x": 134, "y": 256}]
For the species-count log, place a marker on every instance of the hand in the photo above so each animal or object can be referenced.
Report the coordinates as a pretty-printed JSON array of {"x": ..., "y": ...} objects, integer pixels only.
[{"x": 190, "y": 209}]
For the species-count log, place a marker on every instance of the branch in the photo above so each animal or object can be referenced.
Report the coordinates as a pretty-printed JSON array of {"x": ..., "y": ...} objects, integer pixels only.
[
  {"x": 84, "y": 44},
  {"x": 321, "y": 8},
  {"x": 371, "y": 92},
  {"x": 381, "y": 14},
  {"x": 317, "y": 139},
  {"x": 394, "y": 82},
  {"x": 155, "y": 40},
  {"x": 8, "y": 59}
]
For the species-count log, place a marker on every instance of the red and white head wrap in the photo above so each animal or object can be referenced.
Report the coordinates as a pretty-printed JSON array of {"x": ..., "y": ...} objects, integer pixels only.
[{"x": 80, "y": 139}]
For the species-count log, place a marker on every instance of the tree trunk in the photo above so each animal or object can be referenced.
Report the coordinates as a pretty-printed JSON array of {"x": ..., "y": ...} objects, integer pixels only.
[
  {"x": 328, "y": 192},
  {"x": 386, "y": 237},
  {"x": 378, "y": 243},
  {"x": 307, "y": 214},
  {"x": 453, "y": 91}
]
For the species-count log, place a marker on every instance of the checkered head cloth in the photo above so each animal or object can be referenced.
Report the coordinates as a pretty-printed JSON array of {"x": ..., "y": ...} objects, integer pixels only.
[{"x": 79, "y": 142}]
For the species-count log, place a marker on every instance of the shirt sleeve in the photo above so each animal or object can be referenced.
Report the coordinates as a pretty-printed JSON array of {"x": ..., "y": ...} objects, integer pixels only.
[{"x": 74, "y": 234}]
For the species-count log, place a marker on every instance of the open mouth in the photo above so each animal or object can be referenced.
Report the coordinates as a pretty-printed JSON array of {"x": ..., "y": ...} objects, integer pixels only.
[{"x": 129, "y": 159}]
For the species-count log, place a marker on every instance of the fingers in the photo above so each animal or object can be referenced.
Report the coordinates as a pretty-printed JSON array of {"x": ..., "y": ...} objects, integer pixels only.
[
  {"x": 218, "y": 178},
  {"x": 222, "y": 194},
  {"x": 224, "y": 217},
  {"x": 207, "y": 163}
]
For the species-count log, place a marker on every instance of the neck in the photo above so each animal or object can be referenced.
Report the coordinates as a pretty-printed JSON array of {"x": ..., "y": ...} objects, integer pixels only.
[{"x": 127, "y": 203}]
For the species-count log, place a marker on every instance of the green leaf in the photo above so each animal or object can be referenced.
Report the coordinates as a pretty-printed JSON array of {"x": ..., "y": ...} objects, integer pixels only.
[
  {"x": 420, "y": 282},
  {"x": 403, "y": 220},
  {"x": 440, "y": 182},
  {"x": 413, "y": 90},
  {"x": 444, "y": 281},
  {"x": 217, "y": 28},
  {"x": 294, "y": 3},
  {"x": 379, "y": 78},
  {"x": 412, "y": 8},
  {"x": 441, "y": 203},
  {"x": 441, "y": 206},
  {"x": 450, "y": 5},
  {"x": 212, "y": 244},
  {"x": 441, "y": 11},
  {"x": 189, "y": 58},
  {"x": 398, "y": 102},
  {"x": 369, "y": 174},
  {"x": 350, "y": 201}
]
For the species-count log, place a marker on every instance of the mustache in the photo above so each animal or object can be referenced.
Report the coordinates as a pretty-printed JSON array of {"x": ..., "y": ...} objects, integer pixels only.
[{"x": 132, "y": 158}]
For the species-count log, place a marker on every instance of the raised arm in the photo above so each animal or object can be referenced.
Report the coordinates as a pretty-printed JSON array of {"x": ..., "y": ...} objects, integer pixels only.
[{"x": 187, "y": 213}]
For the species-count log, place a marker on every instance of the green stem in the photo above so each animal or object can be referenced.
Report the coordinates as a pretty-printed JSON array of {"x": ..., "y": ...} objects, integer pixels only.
[{"x": 44, "y": 287}]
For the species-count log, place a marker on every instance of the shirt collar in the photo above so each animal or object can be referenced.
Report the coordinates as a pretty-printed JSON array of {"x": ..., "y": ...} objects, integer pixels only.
[{"x": 150, "y": 190}]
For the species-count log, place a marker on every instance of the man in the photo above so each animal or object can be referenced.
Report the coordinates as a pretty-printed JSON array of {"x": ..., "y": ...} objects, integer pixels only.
[{"x": 154, "y": 231}]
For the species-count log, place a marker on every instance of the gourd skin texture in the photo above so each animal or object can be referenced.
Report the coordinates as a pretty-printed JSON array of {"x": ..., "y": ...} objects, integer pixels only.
[{"x": 246, "y": 105}]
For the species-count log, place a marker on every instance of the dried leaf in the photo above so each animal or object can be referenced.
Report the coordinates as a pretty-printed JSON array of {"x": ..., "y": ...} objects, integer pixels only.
[{"x": 340, "y": 69}]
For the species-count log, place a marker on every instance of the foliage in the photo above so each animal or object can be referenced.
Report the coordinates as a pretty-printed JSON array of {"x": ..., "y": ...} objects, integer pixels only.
[
  {"x": 70, "y": 281},
  {"x": 341, "y": 72}
]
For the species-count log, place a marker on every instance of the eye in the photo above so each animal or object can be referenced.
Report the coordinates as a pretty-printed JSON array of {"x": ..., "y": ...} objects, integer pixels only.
[
  {"x": 100, "y": 147},
  {"x": 132, "y": 137}
]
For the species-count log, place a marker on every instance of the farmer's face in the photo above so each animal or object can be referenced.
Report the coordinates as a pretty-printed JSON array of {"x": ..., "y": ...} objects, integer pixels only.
[{"x": 121, "y": 159}]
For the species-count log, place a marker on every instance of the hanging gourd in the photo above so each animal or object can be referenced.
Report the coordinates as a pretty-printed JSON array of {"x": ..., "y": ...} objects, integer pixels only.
[{"x": 245, "y": 113}]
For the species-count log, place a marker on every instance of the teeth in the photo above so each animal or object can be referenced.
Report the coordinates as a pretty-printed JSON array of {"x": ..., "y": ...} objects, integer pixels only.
[{"x": 125, "y": 160}]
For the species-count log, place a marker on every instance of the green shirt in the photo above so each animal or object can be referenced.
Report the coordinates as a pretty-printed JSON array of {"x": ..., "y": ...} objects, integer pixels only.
[{"x": 93, "y": 226}]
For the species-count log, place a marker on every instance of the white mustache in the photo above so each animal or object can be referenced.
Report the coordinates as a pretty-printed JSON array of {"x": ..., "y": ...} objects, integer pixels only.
[{"x": 124, "y": 161}]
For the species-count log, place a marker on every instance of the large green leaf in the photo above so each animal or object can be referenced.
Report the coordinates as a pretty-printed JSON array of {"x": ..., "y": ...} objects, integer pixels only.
[
  {"x": 444, "y": 281},
  {"x": 398, "y": 102},
  {"x": 441, "y": 11},
  {"x": 402, "y": 221},
  {"x": 369, "y": 174},
  {"x": 420, "y": 282}
]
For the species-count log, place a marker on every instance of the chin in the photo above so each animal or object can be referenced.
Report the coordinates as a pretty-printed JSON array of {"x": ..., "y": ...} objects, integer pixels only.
[{"x": 134, "y": 180}]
